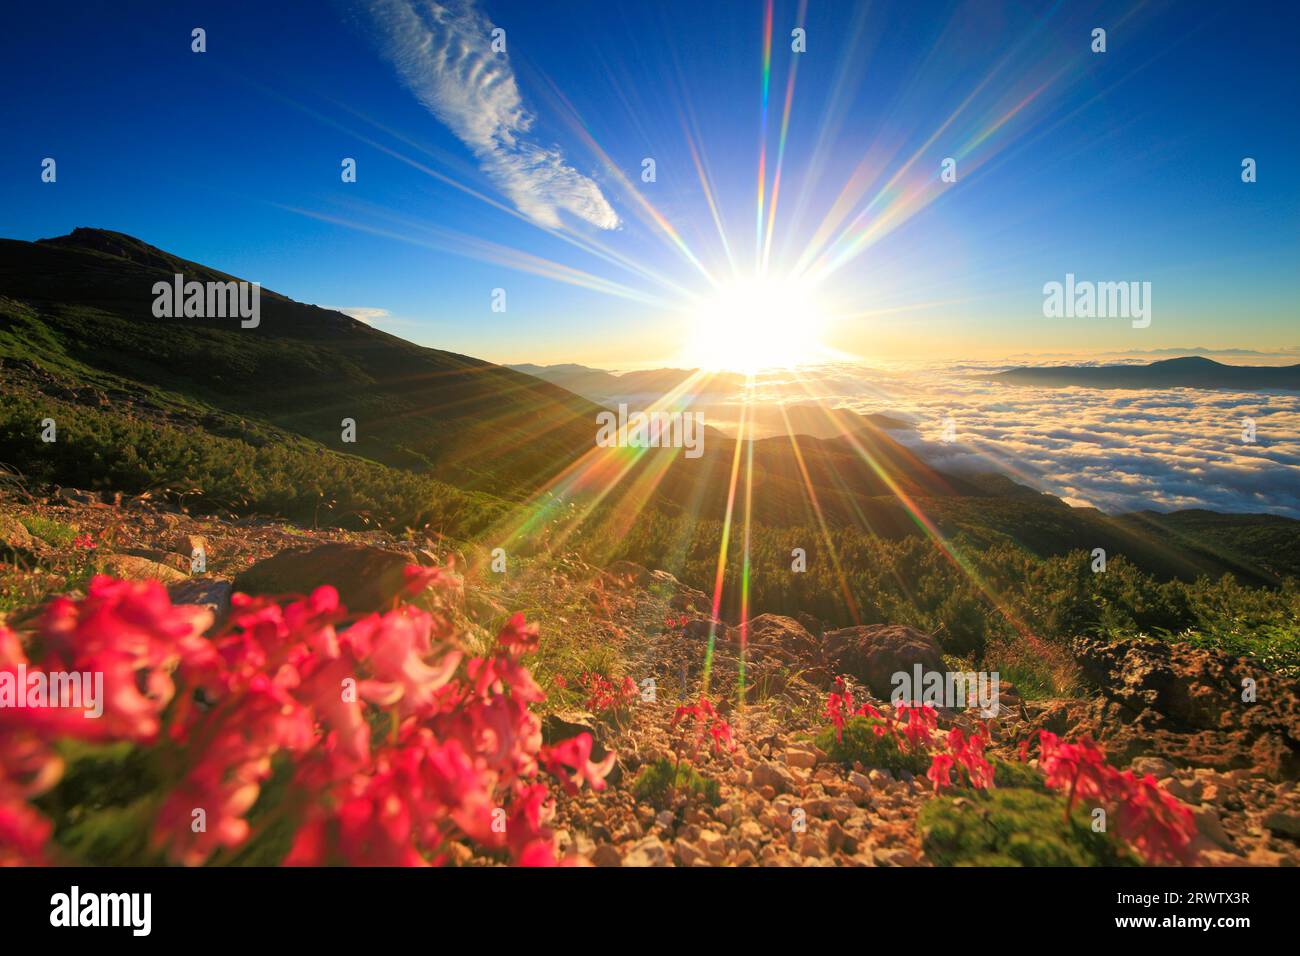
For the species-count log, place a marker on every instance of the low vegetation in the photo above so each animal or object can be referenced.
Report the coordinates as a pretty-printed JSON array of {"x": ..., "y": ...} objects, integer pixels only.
[{"x": 1013, "y": 827}]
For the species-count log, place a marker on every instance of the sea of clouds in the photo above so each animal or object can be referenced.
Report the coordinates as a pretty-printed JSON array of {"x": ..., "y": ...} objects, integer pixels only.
[{"x": 1116, "y": 450}]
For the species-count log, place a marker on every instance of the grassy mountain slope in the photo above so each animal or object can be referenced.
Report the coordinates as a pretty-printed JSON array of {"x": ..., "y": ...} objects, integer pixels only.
[{"x": 83, "y": 303}]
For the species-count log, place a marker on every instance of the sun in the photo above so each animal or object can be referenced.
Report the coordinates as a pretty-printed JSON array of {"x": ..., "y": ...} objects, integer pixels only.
[{"x": 755, "y": 323}]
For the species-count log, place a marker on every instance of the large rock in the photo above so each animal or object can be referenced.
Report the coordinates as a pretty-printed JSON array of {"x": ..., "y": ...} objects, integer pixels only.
[
  {"x": 785, "y": 637},
  {"x": 14, "y": 535},
  {"x": 187, "y": 544},
  {"x": 169, "y": 558},
  {"x": 874, "y": 653},
  {"x": 367, "y": 578},
  {"x": 682, "y": 597},
  {"x": 1185, "y": 704},
  {"x": 211, "y": 593},
  {"x": 131, "y": 567}
]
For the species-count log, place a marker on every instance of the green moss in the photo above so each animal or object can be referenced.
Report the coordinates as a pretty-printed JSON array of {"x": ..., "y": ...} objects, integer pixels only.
[
  {"x": 50, "y": 531},
  {"x": 1013, "y": 827},
  {"x": 860, "y": 743},
  {"x": 1013, "y": 773},
  {"x": 660, "y": 780}
]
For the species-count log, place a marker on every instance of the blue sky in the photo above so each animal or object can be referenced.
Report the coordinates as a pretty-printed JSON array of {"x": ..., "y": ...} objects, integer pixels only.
[{"x": 1116, "y": 166}]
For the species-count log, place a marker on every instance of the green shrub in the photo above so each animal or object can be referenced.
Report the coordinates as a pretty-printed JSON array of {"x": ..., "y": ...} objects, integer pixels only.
[
  {"x": 1013, "y": 827},
  {"x": 860, "y": 743},
  {"x": 660, "y": 780},
  {"x": 266, "y": 472}
]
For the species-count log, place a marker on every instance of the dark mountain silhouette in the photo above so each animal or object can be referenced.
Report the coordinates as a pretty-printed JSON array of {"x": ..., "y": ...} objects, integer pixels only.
[{"x": 1192, "y": 371}]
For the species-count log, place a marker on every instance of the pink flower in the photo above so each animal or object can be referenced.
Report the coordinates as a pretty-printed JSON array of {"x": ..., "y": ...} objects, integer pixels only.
[
  {"x": 518, "y": 638},
  {"x": 575, "y": 754},
  {"x": 940, "y": 772},
  {"x": 391, "y": 751},
  {"x": 398, "y": 642}
]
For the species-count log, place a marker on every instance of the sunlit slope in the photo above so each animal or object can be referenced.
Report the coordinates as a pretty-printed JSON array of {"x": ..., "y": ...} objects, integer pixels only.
[{"x": 303, "y": 368}]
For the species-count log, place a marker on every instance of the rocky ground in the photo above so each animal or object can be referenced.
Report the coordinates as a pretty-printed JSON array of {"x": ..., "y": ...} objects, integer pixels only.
[{"x": 1170, "y": 711}]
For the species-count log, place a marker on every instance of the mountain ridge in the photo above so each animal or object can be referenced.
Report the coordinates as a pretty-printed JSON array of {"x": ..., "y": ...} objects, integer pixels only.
[{"x": 1188, "y": 371}]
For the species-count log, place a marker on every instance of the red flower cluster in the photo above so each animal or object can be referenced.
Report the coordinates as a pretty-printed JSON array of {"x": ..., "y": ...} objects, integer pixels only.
[
  {"x": 839, "y": 707},
  {"x": 707, "y": 723},
  {"x": 964, "y": 754},
  {"x": 914, "y": 729},
  {"x": 396, "y": 743},
  {"x": 911, "y": 727},
  {"x": 1152, "y": 821},
  {"x": 84, "y": 541},
  {"x": 676, "y": 623},
  {"x": 603, "y": 696}
]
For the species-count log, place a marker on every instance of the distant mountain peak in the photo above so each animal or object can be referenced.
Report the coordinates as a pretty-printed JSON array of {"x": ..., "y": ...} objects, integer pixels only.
[
  {"x": 1189, "y": 371},
  {"x": 1188, "y": 361}
]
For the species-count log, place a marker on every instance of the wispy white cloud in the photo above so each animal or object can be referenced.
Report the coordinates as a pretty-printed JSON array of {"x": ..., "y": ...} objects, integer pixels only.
[{"x": 442, "y": 52}]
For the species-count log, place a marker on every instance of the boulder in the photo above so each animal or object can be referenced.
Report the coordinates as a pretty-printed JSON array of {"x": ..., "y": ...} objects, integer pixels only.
[
  {"x": 367, "y": 578},
  {"x": 813, "y": 625},
  {"x": 78, "y": 496},
  {"x": 1283, "y": 824},
  {"x": 14, "y": 535},
  {"x": 785, "y": 633},
  {"x": 187, "y": 544},
  {"x": 1185, "y": 704},
  {"x": 211, "y": 593},
  {"x": 132, "y": 567},
  {"x": 681, "y": 597},
  {"x": 874, "y": 653},
  {"x": 687, "y": 599},
  {"x": 169, "y": 558}
]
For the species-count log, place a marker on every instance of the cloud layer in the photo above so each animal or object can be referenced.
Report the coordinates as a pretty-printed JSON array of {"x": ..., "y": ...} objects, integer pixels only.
[
  {"x": 1115, "y": 450},
  {"x": 442, "y": 52}
]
